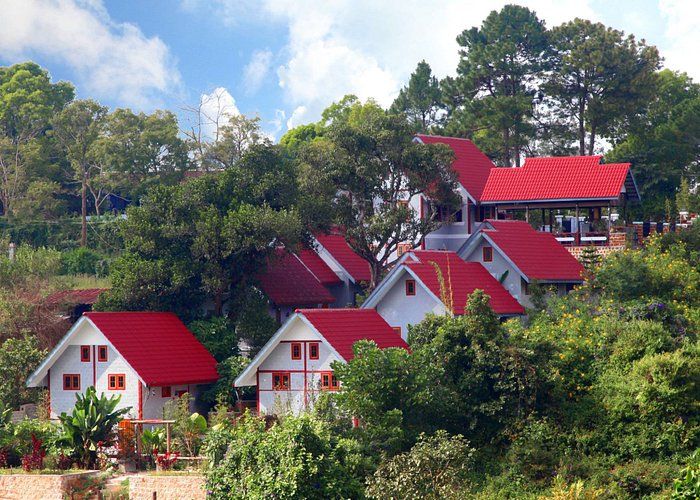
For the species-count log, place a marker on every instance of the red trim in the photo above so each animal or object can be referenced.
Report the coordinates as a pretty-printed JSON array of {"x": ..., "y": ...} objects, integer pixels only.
[
  {"x": 318, "y": 350},
  {"x": 296, "y": 345},
  {"x": 116, "y": 386},
  {"x": 85, "y": 349},
  {"x": 100, "y": 358},
  {"x": 469, "y": 221},
  {"x": 410, "y": 288},
  {"x": 166, "y": 392},
  {"x": 94, "y": 368},
  {"x": 72, "y": 383},
  {"x": 487, "y": 254},
  {"x": 331, "y": 383},
  {"x": 306, "y": 400},
  {"x": 140, "y": 400},
  {"x": 282, "y": 386}
]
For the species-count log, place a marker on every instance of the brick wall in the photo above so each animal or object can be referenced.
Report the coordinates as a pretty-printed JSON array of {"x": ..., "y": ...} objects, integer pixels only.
[
  {"x": 38, "y": 486},
  {"x": 603, "y": 251},
  {"x": 166, "y": 487}
]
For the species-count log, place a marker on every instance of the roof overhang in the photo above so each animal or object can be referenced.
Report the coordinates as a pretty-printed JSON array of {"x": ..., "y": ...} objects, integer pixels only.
[{"x": 568, "y": 201}]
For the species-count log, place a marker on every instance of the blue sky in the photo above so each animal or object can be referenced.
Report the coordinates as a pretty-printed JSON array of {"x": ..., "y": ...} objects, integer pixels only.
[{"x": 285, "y": 60}]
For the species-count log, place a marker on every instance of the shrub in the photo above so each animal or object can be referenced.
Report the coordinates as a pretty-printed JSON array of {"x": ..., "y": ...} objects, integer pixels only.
[
  {"x": 34, "y": 460},
  {"x": 537, "y": 450},
  {"x": 687, "y": 485},
  {"x": 436, "y": 467},
  {"x": 188, "y": 428},
  {"x": 83, "y": 261},
  {"x": 641, "y": 478}
]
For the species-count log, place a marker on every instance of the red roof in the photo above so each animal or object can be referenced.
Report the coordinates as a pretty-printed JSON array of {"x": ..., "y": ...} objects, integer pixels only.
[
  {"x": 537, "y": 254},
  {"x": 356, "y": 266},
  {"x": 316, "y": 265},
  {"x": 158, "y": 346},
  {"x": 556, "y": 178},
  {"x": 343, "y": 327},
  {"x": 471, "y": 164},
  {"x": 83, "y": 296},
  {"x": 463, "y": 278},
  {"x": 288, "y": 282}
]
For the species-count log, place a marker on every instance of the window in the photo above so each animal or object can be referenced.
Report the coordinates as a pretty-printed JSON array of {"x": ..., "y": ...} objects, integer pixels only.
[
  {"x": 402, "y": 248},
  {"x": 487, "y": 254},
  {"x": 116, "y": 382},
  {"x": 446, "y": 213},
  {"x": 296, "y": 350},
  {"x": 525, "y": 287},
  {"x": 71, "y": 382},
  {"x": 397, "y": 329},
  {"x": 280, "y": 381},
  {"x": 410, "y": 287},
  {"x": 328, "y": 381},
  {"x": 84, "y": 353},
  {"x": 166, "y": 392},
  {"x": 181, "y": 393},
  {"x": 102, "y": 353},
  {"x": 313, "y": 350}
]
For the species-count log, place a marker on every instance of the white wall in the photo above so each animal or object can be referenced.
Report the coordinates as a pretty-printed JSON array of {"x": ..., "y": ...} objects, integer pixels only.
[{"x": 401, "y": 310}]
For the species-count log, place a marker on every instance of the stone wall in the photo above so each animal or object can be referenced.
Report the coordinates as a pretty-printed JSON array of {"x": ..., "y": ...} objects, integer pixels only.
[
  {"x": 166, "y": 487},
  {"x": 39, "y": 486},
  {"x": 603, "y": 251}
]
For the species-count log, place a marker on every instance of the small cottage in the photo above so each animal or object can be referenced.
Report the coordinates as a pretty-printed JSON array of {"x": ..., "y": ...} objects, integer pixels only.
[
  {"x": 148, "y": 358},
  {"x": 295, "y": 365}
]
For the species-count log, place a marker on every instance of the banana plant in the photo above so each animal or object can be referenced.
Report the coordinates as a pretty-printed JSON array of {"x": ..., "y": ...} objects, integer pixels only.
[{"x": 91, "y": 424}]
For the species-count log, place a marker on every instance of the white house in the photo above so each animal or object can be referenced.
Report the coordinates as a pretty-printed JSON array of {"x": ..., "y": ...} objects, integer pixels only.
[
  {"x": 435, "y": 281},
  {"x": 295, "y": 364},
  {"x": 517, "y": 255},
  {"x": 146, "y": 357}
]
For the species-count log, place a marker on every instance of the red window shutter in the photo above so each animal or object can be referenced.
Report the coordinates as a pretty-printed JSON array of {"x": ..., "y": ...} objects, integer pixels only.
[{"x": 84, "y": 353}]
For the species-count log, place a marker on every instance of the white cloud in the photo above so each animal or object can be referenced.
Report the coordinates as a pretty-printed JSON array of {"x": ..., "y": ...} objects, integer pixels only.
[
  {"x": 682, "y": 35},
  {"x": 215, "y": 109},
  {"x": 256, "y": 70},
  {"x": 299, "y": 116},
  {"x": 111, "y": 59}
]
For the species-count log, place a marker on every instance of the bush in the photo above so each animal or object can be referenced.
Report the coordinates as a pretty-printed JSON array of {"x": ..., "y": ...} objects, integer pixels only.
[
  {"x": 687, "y": 485},
  {"x": 18, "y": 358},
  {"x": 83, "y": 261},
  {"x": 294, "y": 458},
  {"x": 641, "y": 478},
  {"x": 436, "y": 467},
  {"x": 537, "y": 450}
]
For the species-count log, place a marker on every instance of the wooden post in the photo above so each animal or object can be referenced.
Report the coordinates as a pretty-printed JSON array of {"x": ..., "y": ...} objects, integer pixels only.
[
  {"x": 527, "y": 214},
  {"x": 167, "y": 437},
  {"x": 578, "y": 227}
]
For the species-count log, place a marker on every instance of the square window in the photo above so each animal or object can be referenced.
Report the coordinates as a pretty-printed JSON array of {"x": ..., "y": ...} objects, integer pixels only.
[
  {"x": 402, "y": 248},
  {"x": 328, "y": 381},
  {"x": 116, "y": 382},
  {"x": 84, "y": 353},
  {"x": 280, "y": 381},
  {"x": 487, "y": 254},
  {"x": 102, "y": 353},
  {"x": 296, "y": 350},
  {"x": 166, "y": 392},
  {"x": 397, "y": 329},
  {"x": 71, "y": 382},
  {"x": 313, "y": 350},
  {"x": 410, "y": 287}
]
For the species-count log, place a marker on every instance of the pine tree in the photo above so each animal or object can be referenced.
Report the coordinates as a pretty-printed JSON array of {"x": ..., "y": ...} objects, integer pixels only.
[
  {"x": 420, "y": 100},
  {"x": 590, "y": 258}
]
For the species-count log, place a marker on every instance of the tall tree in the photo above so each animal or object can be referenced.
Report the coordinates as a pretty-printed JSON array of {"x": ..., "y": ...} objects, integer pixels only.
[
  {"x": 491, "y": 98},
  {"x": 77, "y": 128},
  {"x": 600, "y": 78},
  {"x": 421, "y": 99},
  {"x": 28, "y": 100},
  {"x": 365, "y": 165}
]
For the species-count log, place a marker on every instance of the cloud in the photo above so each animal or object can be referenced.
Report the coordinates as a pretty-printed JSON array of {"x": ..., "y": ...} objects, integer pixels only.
[
  {"x": 299, "y": 117},
  {"x": 682, "y": 35},
  {"x": 215, "y": 108},
  {"x": 256, "y": 70},
  {"x": 112, "y": 60}
]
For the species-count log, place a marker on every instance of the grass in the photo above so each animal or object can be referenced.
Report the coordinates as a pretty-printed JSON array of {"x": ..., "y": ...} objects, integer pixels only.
[{"x": 80, "y": 281}]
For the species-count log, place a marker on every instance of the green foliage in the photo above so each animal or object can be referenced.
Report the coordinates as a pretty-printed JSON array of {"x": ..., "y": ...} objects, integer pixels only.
[
  {"x": 189, "y": 428},
  {"x": 91, "y": 424},
  {"x": 83, "y": 261},
  {"x": 222, "y": 391},
  {"x": 18, "y": 358},
  {"x": 536, "y": 450},
  {"x": 218, "y": 335},
  {"x": 421, "y": 99},
  {"x": 294, "y": 458},
  {"x": 435, "y": 467},
  {"x": 154, "y": 440},
  {"x": 687, "y": 486}
]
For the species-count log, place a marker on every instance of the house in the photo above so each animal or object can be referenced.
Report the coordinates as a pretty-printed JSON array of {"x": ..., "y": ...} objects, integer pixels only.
[
  {"x": 517, "y": 255},
  {"x": 73, "y": 303},
  {"x": 289, "y": 284},
  {"x": 435, "y": 281},
  {"x": 295, "y": 364},
  {"x": 146, "y": 357}
]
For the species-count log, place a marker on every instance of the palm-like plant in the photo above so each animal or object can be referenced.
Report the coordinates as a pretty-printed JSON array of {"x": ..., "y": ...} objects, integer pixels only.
[{"x": 91, "y": 424}]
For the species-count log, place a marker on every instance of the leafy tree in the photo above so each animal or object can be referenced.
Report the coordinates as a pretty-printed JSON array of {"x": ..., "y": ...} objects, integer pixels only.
[
  {"x": 28, "y": 100},
  {"x": 237, "y": 136},
  {"x": 218, "y": 335},
  {"x": 421, "y": 99},
  {"x": 18, "y": 358},
  {"x": 77, "y": 128},
  {"x": 490, "y": 99},
  {"x": 599, "y": 78},
  {"x": 295, "y": 138},
  {"x": 365, "y": 164}
]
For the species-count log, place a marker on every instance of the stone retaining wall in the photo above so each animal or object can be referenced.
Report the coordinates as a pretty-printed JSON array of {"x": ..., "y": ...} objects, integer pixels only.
[
  {"x": 39, "y": 486},
  {"x": 166, "y": 487}
]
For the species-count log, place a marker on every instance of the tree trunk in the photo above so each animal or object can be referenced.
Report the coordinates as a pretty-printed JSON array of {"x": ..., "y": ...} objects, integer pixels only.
[
  {"x": 581, "y": 129},
  {"x": 219, "y": 303},
  {"x": 83, "y": 211},
  {"x": 506, "y": 147},
  {"x": 375, "y": 275},
  {"x": 591, "y": 141}
]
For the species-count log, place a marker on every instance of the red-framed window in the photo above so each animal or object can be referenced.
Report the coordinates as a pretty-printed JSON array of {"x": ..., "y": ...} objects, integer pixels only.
[
  {"x": 487, "y": 254},
  {"x": 397, "y": 329},
  {"x": 71, "y": 382},
  {"x": 402, "y": 248},
  {"x": 85, "y": 353},
  {"x": 280, "y": 381},
  {"x": 166, "y": 392},
  {"x": 102, "y": 353},
  {"x": 296, "y": 350},
  {"x": 313, "y": 350},
  {"x": 410, "y": 287},
  {"x": 181, "y": 393},
  {"x": 525, "y": 286},
  {"x": 116, "y": 381},
  {"x": 328, "y": 381}
]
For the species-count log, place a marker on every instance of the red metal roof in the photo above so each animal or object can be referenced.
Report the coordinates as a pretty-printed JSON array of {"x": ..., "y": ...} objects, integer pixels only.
[
  {"x": 471, "y": 164},
  {"x": 462, "y": 278},
  {"x": 317, "y": 266},
  {"x": 343, "y": 327},
  {"x": 556, "y": 178},
  {"x": 356, "y": 266},
  {"x": 158, "y": 346},
  {"x": 288, "y": 282},
  {"x": 537, "y": 254},
  {"x": 73, "y": 297}
]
